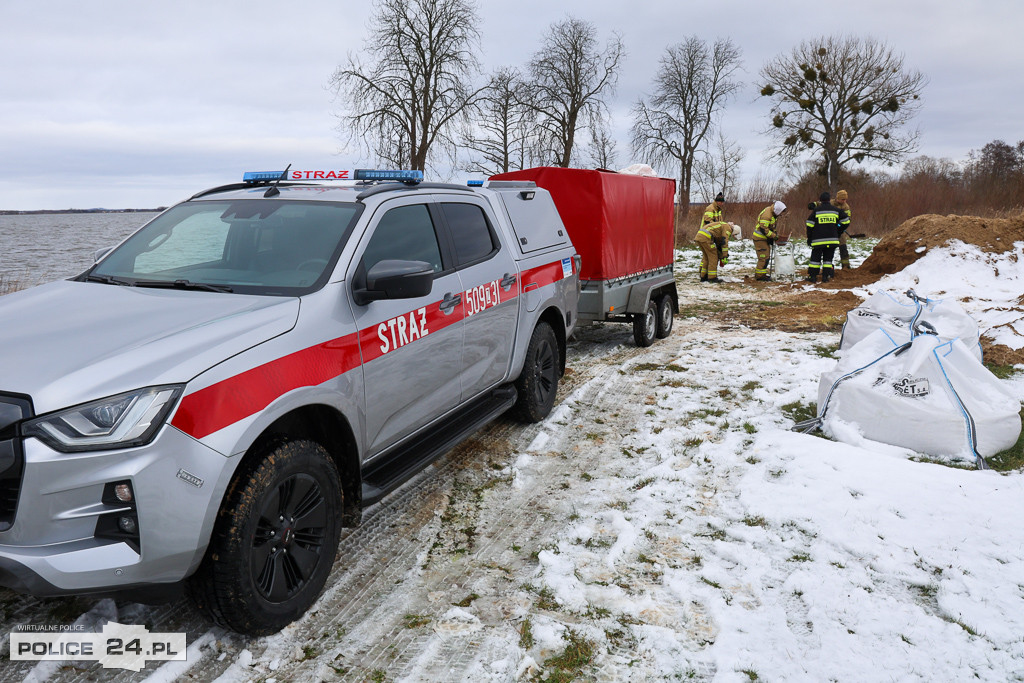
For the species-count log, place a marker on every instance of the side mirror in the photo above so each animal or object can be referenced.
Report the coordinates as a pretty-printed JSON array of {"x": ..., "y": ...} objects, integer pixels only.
[
  {"x": 100, "y": 253},
  {"x": 393, "y": 279}
]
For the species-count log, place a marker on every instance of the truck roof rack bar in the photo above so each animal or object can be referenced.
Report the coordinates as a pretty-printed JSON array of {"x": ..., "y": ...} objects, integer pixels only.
[
  {"x": 222, "y": 188},
  {"x": 393, "y": 187},
  {"x": 498, "y": 184}
]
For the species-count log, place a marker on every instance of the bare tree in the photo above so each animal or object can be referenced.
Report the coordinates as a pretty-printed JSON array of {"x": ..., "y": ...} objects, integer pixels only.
[
  {"x": 844, "y": 98},
  {"x": 569, "y": 76},
  {"x": 601, "y": 151},
  {"x": 694, "y": 81},
  {"x": 503, "y": 136},
  {"x": 406, "y": 101},
  {"x": 718, "y": 168}
]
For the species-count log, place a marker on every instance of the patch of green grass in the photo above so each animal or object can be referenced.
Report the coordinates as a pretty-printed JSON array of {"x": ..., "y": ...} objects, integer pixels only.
[
  {"x": 751, "y": 385},
  {"x": 642, "y": 483},
  {"x": 526, "y": 634},
  {"x": 1002, "y": 371},
  {"x": 309, "y": 652},
  {"x": 466, "y": 601},
  {"x": 1012, "y": 458},
  {"x": 715, "y": 535},
  {"x": 800, "y": 557},
  {"x": 751, "y": 674},
  {"x": 749, "y": 428},
  {"x": 378, "y": 676},
  {"x": 798, "y": 412},
  {"x": 826, "y": 350},
  {"x": 703, "y": 414},
  {"x": 755, "y": 521},
  {"x": 753, "y": 460},
  {"x": 568, "y": 665},
  {"x": 693, "y": 442},
  {"x": 963, "y": 626},
  {"x": 713, "y": 584},
  {"x": 546, "y": 600}
]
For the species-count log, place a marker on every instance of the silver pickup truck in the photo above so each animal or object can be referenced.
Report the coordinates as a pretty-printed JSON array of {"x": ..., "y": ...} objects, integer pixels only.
[{"x": 220, "y": 393}]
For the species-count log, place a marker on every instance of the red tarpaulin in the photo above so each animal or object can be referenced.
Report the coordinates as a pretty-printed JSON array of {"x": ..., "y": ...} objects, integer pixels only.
[{"x": 620, "y": 224}]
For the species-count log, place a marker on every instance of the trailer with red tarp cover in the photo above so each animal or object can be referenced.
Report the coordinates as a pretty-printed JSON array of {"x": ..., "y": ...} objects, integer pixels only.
[{"x": 622, "y": 228}]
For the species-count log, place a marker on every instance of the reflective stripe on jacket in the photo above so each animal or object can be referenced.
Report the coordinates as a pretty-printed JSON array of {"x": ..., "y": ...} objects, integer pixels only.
[
  {"x": 712, "y": 214},
  {"x": 823, "y": 225},
  {"x": 765, "y": 228},
  {"x": 717, "y": 233}
]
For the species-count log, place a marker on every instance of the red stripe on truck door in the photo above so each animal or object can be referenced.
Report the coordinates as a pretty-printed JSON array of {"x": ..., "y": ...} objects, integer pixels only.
[{"x": 208, "y": 410}]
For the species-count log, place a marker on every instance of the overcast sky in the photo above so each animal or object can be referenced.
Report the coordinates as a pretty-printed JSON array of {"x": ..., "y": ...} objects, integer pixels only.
[{"x": 128, "y": 104}]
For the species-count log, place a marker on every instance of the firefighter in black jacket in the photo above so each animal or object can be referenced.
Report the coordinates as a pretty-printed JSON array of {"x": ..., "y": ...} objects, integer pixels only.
[{"x": 823, "y": 227}]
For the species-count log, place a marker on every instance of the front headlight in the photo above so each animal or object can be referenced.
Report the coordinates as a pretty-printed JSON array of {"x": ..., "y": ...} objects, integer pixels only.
[{"x": 122, "y": 421}]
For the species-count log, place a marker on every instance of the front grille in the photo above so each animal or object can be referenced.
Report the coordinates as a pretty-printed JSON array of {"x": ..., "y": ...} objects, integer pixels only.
[
  {"x": 12, "y": 461},
  {"x": 14, "y": 409}
]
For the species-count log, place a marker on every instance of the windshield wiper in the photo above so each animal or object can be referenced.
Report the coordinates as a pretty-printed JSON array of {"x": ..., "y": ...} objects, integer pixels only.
[
  {"x": 107, "y": 280},
  {"x": 184, "y": 284}
]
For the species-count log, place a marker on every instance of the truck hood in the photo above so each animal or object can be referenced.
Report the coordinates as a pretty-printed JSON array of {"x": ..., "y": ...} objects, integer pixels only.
[{"x": 68, "y": 342}]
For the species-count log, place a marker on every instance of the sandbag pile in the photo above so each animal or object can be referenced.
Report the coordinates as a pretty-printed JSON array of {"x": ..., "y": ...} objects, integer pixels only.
[
  {"x": 917, "y": 384},
  {"x": 898, "y": 314}
]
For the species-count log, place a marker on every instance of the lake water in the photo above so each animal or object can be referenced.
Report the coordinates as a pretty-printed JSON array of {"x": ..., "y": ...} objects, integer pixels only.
[{"x": 38, "y": 248}]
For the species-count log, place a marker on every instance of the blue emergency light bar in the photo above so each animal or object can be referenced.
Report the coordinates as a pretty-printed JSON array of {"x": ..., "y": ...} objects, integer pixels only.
[
  {"x": 261, "y": 176},
  {"x": 405, "y": 176},
  {"x": 475, "y": 183}
]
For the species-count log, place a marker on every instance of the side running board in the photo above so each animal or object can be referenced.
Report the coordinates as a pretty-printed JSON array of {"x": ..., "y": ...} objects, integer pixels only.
[{"x": 395, "y": 468}]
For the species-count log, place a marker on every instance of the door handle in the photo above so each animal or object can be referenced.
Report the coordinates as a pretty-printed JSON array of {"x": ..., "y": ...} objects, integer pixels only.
[
  {"x": 508, "y": 281},
  {"x": 450, "y": 302}
]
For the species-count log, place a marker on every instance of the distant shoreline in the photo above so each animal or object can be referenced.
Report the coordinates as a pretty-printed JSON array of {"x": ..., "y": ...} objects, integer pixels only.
[{"x": 53, "y": 211}]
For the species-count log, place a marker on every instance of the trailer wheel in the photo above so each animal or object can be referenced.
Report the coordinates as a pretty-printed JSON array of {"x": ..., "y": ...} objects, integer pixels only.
[
  {"x": 666, "y": 316},
  {"x": 645, "y": 326},
  {"x": 538, "y": 382}
]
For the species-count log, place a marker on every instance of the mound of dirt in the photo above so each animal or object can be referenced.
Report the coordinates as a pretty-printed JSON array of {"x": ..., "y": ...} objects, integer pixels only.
[{"x": 903, "y": 246}]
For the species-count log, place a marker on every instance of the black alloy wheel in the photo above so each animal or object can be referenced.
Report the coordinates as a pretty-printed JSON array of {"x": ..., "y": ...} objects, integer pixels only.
[
  {"x": 538, "y": 382},
  {"x": 274, "y": 541},
  {"x": 289, "y": 537}
]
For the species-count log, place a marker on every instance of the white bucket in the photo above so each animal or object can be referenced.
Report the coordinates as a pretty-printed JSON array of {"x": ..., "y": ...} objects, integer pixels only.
[{"x": 783, "y": 265}]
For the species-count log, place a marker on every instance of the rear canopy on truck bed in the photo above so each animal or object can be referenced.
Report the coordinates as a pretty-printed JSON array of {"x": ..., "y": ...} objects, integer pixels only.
[{"x": 620, "y": 224}]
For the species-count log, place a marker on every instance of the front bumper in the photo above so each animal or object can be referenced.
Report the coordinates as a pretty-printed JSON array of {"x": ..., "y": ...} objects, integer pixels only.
[{"x": 53, "y": 547}]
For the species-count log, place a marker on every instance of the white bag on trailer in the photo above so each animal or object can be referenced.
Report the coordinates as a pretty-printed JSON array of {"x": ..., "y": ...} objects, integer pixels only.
[
  {"x": 897, "y": 314},
  {"x": 929, "y": 395}
]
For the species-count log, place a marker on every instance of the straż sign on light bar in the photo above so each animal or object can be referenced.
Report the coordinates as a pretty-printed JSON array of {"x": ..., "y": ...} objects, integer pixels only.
[
  {"x": 404, "y": 176},
  {"x": 320, "y": 175}
]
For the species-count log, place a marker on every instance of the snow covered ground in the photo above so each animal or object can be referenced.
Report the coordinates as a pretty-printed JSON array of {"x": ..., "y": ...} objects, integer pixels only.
[{"x": 665, "y": 523}]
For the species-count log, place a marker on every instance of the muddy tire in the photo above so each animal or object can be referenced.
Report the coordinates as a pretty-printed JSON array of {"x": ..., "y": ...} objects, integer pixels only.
[
  {"x": 274, "y": 541},
  {"x": 645, "y": 325},
  {"x": 666, "y": 316},
  {"x": 538, "y": 382}
]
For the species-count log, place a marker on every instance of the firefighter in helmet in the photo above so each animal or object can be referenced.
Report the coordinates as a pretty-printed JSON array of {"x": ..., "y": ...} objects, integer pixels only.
[
  {"x": 713, "y": 240},
  {"x": 823, "y": 226},
  {"x": 765, "y": 236},
  {"x": 844, "y": 251},
  {"x": 713, "y": 213}
]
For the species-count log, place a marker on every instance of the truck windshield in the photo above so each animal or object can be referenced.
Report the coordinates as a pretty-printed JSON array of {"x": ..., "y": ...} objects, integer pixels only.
[{"x": 249, "y": 246}]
